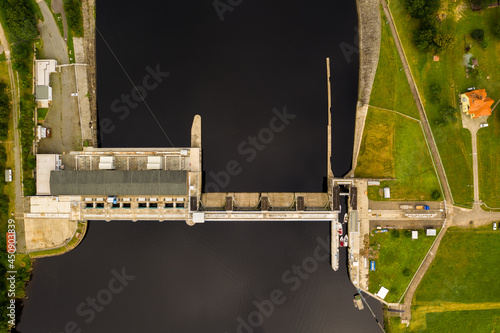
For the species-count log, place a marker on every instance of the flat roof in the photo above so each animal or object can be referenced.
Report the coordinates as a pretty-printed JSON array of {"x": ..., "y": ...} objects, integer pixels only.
[
  {"x": 42, "y": 93},
  {"x": 119, "y": 182},
  {"x": 45, "y": 163},
  {"x": 43, "y": 68}
]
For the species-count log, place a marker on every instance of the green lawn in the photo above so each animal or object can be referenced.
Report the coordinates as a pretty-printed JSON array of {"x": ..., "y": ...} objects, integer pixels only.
[
  {"x": 391, "y": 89},
  {"x": 489, "y": 161},
  {"x": 393, "y": 146},
  {"x": 465, "y": 271},
  {"x": 41, "y": 114},
  {"x": 449, "y": 72},
  {"x": 472, "y": 255},
  {"x": 398, "y": 259},
  {"x": 454, "y": 321}
]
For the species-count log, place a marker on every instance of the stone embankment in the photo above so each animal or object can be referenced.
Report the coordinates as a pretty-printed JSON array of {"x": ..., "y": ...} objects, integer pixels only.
[{"x": 369, "y": 29}]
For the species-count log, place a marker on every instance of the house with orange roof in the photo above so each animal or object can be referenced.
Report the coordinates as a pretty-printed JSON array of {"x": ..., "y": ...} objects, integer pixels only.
[{"x": 476, "y": 103}]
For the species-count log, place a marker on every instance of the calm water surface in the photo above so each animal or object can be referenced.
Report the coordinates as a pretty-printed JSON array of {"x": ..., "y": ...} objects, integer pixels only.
[{"x": 264, "y": 55}]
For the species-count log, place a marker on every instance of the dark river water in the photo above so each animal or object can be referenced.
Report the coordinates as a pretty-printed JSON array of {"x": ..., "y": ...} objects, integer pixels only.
[{"x": 243, "y": 67}]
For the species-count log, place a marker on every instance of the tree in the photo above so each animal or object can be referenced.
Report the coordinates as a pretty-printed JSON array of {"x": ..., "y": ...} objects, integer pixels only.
[
  {"x": 422, "y": 8},
  {"x": 395, "y": 233},
  {"x": 423, "y": 39},
  {"x": 478, "y": 34},
  {"x": 443, "y": 42},
  {"x": 406, "y": 271}
]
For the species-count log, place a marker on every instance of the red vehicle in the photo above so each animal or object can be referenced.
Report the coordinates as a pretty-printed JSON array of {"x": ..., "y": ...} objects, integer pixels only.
[{"x": 340, "y": 230}]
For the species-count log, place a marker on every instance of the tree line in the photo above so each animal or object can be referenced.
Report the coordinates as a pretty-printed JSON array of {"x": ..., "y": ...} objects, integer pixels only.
[{"x": 428, "y": 37}]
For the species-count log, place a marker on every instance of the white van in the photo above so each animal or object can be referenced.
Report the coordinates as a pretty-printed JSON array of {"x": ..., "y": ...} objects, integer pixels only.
[{"x": 494, "y": 226}]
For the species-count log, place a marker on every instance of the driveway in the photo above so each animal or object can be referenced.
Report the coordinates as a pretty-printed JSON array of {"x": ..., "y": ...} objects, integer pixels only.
[{"x": 473, "y": 126}]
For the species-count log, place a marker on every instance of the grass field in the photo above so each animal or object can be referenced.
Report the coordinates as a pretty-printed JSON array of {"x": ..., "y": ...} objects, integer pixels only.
[
  {"x": 41, "y": 114},
  {"x": 391, "y": 89},
  {"x": 397, "y": 258},
  {"x": 463, "y": 276},
  {"x": 489, "y": 161},
  {"x": 478, "y": 321},
  {"x": 453, "y": 142},
  {"x": 393, "y": 146}
]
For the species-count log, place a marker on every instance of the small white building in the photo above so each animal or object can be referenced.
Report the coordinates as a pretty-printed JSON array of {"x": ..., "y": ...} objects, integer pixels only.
[
  {"x": 382, "y": 293},
  {"x": 414, "y": 234},
  {"x": 43, "y": 90},
  {"x": 431, "y": 232},
  {"x": 387, "y": 192}
]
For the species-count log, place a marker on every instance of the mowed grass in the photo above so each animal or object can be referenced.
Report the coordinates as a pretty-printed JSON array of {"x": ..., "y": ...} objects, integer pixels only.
[
  {"x": 391, "y": 89},
  {"x": 472, "y": 255},
  {"x": 453, "y": 142},
  {"x": 479, "y": 321},
  {"x": 465, "y": 270},
  {"x": 41, "y": 114},
  {"x": 398, "y": 259},
  {"x": 489, "y": 161},
  {"x": 393, "y": 146}
]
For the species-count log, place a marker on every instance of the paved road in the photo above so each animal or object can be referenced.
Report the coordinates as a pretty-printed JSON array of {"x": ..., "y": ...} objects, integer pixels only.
[
  {"x": 63, "y": 117},
  {"x": 58, "y": 8},
  {"x": 21, "y": 240},
  {"x": 54, "y": 46}
]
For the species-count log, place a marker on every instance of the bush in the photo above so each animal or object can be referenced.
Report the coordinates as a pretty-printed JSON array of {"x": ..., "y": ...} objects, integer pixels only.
[
  {"x": 477, "y": 73},
  {"x": 477, "y": 34},
  {"x": 436, "y": 195},
  {"x": 395, "y": 233},
  {"x": 435, "y": 99},
  {"x": 436, "y": 88},
  {"x": 29, "y": 186},
  {"x": 484, "y": 43},
  {"x": 496, "y": 30},
  {"x": 406, "y": 271}
]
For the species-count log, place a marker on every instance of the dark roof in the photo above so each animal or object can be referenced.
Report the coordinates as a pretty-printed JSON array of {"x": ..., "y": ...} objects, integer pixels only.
[
  {"x": 42, "y": 92},
  {"x": 119, "y": 182}
]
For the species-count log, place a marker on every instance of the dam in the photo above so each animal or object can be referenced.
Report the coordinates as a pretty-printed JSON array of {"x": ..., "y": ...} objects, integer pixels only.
[{"x": 165, "y": 184}]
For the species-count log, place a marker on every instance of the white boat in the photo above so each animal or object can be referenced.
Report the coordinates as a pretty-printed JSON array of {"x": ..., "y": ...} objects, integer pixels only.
[
  {"x": 345, "y": 218},
  {"x": 340, "y": 229},
  {"x": 346, "y": 241},
  {"x": 341, "y": 241}
]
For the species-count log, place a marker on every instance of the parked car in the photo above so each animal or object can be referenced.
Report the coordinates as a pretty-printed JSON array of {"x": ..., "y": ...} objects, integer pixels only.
[
  {"x": 471, "y": 88},
  {"x": 483, "y": 125},
  {"x": 74, "y": 94},
  {"x": 494, "y": 226}
]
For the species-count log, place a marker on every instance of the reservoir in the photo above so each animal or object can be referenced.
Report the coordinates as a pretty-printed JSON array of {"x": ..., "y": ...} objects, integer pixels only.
[{"x": 239, "y": 67}]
